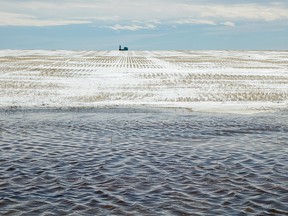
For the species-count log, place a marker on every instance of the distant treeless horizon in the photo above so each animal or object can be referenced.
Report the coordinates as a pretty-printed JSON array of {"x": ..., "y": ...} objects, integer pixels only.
[{"x": 145, "y": 25}]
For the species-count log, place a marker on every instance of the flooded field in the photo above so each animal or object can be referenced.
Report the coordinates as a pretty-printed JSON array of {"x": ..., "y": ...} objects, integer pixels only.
[{"x": 142, "y": 162}]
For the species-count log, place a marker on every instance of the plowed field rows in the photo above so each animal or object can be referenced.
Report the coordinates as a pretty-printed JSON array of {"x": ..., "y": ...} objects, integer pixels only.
[{"x": 228, "y": 80}]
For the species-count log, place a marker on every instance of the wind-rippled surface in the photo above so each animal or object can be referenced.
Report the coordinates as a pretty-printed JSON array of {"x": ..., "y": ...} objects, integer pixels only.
[{"x": 142, "y": 162}]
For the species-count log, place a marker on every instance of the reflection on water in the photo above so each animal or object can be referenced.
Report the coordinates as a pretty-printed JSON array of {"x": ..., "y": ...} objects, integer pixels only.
[{"x": 147, "y": 162}]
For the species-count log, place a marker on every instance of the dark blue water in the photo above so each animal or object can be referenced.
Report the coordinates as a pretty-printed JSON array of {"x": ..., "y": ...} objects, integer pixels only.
[{"x": 142, "y": 162}]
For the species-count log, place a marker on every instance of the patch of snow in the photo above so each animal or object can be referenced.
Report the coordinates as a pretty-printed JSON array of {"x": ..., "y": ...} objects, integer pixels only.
[{"x": 210, "y": 81}]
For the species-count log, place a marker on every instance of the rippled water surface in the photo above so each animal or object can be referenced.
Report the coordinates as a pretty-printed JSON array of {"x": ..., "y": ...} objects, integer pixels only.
[{"x": 142, "y": 162}]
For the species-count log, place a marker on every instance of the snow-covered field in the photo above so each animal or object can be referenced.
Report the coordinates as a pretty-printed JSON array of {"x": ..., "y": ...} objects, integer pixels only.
[{"x": 215, "y": 81}]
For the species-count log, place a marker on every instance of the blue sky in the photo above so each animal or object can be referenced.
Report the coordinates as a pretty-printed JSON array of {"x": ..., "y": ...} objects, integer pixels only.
[{"x": 144, "y": 25}]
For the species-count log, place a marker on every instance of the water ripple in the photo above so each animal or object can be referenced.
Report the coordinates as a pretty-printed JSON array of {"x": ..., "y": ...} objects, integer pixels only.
[{"x": 142, "y": 162}]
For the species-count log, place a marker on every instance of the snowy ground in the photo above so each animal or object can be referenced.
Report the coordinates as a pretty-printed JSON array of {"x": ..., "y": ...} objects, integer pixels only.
[{"x": 214, "y": 81}]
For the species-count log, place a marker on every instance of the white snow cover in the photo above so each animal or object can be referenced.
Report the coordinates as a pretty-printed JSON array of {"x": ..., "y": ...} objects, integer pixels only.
[{"x": 211, "y": 81}]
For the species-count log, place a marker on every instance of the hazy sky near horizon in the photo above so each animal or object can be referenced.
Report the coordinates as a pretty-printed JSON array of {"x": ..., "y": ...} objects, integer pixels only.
[{"x": 144, "y": 25}]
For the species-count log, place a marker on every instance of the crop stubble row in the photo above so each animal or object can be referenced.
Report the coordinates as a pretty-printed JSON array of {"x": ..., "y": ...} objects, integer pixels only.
[{"x": 193, "y": 76}]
